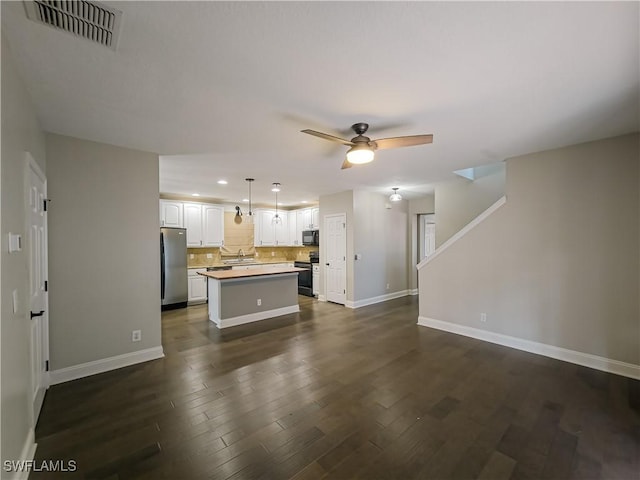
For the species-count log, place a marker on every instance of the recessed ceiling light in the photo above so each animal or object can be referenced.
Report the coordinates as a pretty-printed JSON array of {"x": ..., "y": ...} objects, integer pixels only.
[
  {"x": 245, "y": 199},
  {"x": 304, "y": 201},
  {"x": 195, "y": 194},
  {"x": 222, "y": 182}
]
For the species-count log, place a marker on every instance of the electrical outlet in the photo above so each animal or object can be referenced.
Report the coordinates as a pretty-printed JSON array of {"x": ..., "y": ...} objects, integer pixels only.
[
  {"x": 387, "y": 286},
  {"x": 259, "y": 301},
  {"x": 192, "y": 256},
  {"x": 273, "y": 254},
  {"x": 209, "y": 255},
  {"x": 136, "y": 335},
  {"x": 483, "y": 317}
]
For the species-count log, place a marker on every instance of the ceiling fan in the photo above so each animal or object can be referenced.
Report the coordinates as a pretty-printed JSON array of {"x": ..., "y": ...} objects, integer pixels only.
[{"x": 363, "y": 148}]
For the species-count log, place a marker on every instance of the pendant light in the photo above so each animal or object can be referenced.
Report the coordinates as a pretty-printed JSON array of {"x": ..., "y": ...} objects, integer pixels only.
[
  {"x": 238, "y": 217},
  {"x": 395, "y": 196},
  {"x": 276, "y": 219},
  {"x": 249, "y": 213}
]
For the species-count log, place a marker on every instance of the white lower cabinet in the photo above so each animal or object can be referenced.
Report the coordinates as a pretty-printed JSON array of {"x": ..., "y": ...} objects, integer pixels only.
[
  {"x": 315, "y": 279},
  {"x": 197, "y": 286}
]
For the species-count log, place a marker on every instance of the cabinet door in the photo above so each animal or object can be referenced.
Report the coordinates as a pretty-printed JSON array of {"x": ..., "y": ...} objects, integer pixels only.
[
  {"x": 267, "y": 229},
  {"x": 193, "y": 224},
  {"x": 282, "y": 228},
  {"x": 170, "y": 214},
  {"x": 293, "y": 238},
  {"x": 197, "y": 289},
  {"x": 299, "y": 225},
  {"x": 307, "y": 219},
  {"x": 315, "y": 218},
  {"x": 212, "y": 225}
]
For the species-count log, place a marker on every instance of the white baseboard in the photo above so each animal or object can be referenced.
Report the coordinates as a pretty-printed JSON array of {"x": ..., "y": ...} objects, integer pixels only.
[
  {"x": 322, "y": 298},
  {"x": 104, "y": 365},
  {"x": 413, "y": 291},
  {"x": 23, "y": 464},
  {"x": 254, "y": 317},
  {"x": 579, "y": 358},
  {"x": 378, "y": 299}
]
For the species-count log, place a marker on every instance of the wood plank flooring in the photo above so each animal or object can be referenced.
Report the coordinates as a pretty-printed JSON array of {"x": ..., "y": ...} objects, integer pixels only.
[{"x": 339, "y": 394}]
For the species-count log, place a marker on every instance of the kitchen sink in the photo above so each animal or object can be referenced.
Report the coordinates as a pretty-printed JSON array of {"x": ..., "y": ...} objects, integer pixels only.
[{"x": 239, "y": 260}]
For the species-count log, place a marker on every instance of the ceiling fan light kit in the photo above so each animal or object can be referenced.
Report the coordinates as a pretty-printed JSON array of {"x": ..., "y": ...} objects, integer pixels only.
[
  {"x": 363, "y": 148},
  {"x": 360, "y": 154}
]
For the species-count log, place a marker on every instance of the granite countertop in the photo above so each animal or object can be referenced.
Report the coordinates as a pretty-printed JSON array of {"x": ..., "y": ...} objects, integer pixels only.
[
  {"x": 255, "y": 262},
  {"x": 252, "y": 272}
]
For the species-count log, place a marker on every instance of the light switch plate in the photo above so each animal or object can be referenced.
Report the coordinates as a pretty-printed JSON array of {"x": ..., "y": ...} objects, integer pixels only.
[
  {"x": 209, "y": 255},
  {"x": 15, "y": 242},
  {"x": 14, "y": 298}
]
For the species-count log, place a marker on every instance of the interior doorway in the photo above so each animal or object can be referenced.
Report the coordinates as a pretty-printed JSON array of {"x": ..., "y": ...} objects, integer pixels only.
[
  {"x": 335, "y": 228},
  {"x": 36, "y": 187},
  {"x": 426, "y": 235}
]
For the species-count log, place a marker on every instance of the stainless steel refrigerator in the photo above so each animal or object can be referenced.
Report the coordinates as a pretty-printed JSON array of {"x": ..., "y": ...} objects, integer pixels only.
[{"x": 173, "y": 267}]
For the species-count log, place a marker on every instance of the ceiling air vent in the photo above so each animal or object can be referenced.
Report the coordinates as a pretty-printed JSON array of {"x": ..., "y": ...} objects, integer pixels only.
[{"x": 91, "y": 20}]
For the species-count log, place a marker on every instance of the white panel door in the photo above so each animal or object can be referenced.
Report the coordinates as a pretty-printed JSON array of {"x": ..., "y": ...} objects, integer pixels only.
[
  {"x": 193, "y": 224},
  {"x": 335, "y": 238},
  {"x": 38, "y": 301},
  {"x": 213, "y": 225}
]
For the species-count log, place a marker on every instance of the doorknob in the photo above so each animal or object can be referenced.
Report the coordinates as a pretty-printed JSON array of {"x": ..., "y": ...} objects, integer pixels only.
[
  {"x": 39, "y": 314},
  {"x": 327, "y": 264}
]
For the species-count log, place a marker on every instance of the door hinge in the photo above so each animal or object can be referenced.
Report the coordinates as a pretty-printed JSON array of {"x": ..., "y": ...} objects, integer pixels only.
[
  {"x": 46, "y": 285},
  {"x": 344, "y": 291},
  {"x": 45, "y": 203},
  {"x": 46, "y": 365}
]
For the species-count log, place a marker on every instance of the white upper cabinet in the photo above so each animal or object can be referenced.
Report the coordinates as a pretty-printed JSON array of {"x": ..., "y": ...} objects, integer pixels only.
[
  {"x": 212, "y": 225},
  {"x": 171, "y": 214},
  {"x": 294, "y": 239},
  {"x": 267, "y": 233},
  {"x": 193, "y": 224},
  {"x": 307, "y": 222},
  {"x": 205, "y": 224},
  {"x": 315, "y": 218}
]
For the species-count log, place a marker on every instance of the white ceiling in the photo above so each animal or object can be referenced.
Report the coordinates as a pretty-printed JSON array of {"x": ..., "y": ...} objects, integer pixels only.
[{"x": 222, "y": 89}]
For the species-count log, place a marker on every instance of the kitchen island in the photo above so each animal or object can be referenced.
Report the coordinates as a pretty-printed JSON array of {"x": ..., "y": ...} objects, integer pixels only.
[{"x": 243, "y": 296}]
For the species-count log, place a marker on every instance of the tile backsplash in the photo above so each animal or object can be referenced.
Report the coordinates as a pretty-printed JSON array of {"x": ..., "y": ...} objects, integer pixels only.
[{"x": 199, "y": 257}]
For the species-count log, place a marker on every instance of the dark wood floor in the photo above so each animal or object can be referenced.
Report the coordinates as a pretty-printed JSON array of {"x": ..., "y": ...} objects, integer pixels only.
[{"x": 339, "y": 393}]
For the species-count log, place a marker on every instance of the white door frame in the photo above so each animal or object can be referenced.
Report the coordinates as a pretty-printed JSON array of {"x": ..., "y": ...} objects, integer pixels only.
[
  {"x": 336, "y": 298},
  {"x": 32, "y": 198}
]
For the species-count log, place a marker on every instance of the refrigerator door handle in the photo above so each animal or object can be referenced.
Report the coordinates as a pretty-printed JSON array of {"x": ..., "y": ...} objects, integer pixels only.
[{"x": 162, "y": 266}]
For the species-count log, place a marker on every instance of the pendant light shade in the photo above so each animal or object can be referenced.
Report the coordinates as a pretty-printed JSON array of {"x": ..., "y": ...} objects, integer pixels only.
[
  {"x": 276, "y": 219},
  {"x": 395, "y": 196},
  {"x": 249, "y": 213}
]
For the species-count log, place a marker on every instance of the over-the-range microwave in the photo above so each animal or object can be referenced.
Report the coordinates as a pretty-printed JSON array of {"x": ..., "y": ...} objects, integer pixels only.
[{"x": 311, "y": 237}]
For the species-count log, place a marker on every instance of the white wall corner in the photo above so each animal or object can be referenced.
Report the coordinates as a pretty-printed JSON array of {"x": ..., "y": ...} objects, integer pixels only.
[
  {"x": 579, "y": 358},
  {"x": 105, "y": 365},
  {"x": 463, "y": 231}
]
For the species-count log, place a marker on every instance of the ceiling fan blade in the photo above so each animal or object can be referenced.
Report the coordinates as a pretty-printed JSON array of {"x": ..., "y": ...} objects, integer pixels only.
[
  {"x": 408, "y": 141},
  {"x": 346, "y": 164},
  {"x": 328, "y": 137}
]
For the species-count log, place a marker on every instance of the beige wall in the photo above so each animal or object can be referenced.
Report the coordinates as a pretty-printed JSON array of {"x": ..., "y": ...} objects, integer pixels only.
[
  {"x": 559, "y": 263},
  {"x": 104, "y": 250},
  {"x": 459, "y": 201},
  {"x": 381, "y": 238},
  {"x": 20, "y": 133}
]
